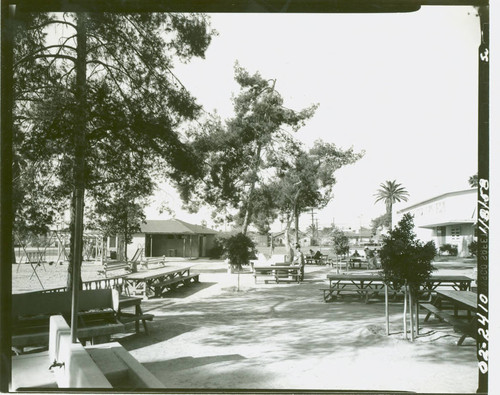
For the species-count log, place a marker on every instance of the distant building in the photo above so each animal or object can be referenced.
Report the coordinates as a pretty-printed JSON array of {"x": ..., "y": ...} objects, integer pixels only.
[
  {"x": 172, "y": 238},
  {"x": 359, "y": 237},
  {"x": 446, "y": 219},
  {"x": 259, "y": 240},
  {"x": 279, "y": 238}
]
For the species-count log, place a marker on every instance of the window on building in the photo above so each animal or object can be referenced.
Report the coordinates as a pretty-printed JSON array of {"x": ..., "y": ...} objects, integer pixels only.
[
  {"x": 455, "y": 233},
  {"x": 441, "y": 231},
  {"x": 112, "y": 242}
]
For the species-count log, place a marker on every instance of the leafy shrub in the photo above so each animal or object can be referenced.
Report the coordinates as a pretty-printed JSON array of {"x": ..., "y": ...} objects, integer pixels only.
[
  {"x": 473, "y": 248},
  {"x": 340, "y": 242},
  {"x": 404, "y": 258},
  {"x": 449, "y": 249},
  {"x": 217, "y": 251},
  {"x": 239, "y": 249}
]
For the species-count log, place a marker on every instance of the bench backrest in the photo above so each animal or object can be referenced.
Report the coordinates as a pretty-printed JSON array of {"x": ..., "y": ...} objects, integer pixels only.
[{"x": 38, "y": 303}]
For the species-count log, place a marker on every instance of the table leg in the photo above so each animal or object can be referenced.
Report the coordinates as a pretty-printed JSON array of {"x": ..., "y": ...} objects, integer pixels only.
[{"x": 138, "y": 314}]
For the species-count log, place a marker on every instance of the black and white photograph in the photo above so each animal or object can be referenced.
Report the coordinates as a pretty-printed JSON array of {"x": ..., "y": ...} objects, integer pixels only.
[{"x": 256, "y": 196}]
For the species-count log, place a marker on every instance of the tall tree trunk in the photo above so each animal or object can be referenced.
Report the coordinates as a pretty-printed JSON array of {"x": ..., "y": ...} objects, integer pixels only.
[
  {"x": 412, "y": 330},
  {"x": 386, "y": 292},
  {"x": 417, "y": 321},
  {"x": 296, "y": 219},
  {"x": 288, "y": 244},
  {"x": 80, "y": 123},
  {"x": 405, "y": 306},
  {"x": 296, "y": 215},
  {"x": 248, "y": 205},
  {"x": 126, "y": 237},
  {"x": 388, "y": 209}
]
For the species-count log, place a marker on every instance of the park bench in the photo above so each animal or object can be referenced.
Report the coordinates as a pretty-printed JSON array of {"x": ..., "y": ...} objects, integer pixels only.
[
  {"x": 114, "y": 266},
  {"x": 468, "y": 329},
  {"x": 158, "y": 261},
  {"x": 31, "y": 312},
  {"x": 120, "y": 301}
]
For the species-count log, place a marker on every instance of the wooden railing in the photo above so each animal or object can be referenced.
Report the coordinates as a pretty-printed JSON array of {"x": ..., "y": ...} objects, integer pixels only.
[{"x": 105, "y": 283}]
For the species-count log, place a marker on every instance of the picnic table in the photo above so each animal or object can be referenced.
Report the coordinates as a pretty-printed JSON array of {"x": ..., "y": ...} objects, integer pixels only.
[
  {"x": 126, "y": 301},
  {"x": 459, "y": 300},
  {"x": 156, "y": 281},
  {"x": 278, "y": 272},
  {"x": 365, "y": 285},
  {"x": 458, "y": 283}
]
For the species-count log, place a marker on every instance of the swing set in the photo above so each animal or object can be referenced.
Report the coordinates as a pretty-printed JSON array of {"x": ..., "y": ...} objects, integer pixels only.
[{"x": 51, "y": 248}]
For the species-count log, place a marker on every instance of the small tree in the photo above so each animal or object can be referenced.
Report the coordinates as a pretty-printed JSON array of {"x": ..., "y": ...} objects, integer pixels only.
[
  {"x": 340, "y": 244},
  {"x": 406, "y": 262},
  {"x": 239, "y": 249}
]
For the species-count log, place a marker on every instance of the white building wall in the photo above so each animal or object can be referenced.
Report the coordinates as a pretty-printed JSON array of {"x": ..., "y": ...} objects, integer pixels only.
[{"x": 451, "y": 211}]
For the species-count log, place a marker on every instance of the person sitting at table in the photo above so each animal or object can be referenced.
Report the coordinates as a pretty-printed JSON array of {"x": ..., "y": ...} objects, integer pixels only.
[
  {"x": 298, "y": 259},
  {"x": 369, "y": 258},
  {"x": 317, "y": 256}
]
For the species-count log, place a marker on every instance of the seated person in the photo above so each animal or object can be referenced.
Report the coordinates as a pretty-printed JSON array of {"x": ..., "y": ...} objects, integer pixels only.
[{"x": 317, "y": 256}]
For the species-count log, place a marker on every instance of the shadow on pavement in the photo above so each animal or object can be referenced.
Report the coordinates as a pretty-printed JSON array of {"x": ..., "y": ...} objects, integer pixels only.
[
  {"x": 183, "y": 363},
  {"x": 185, "y": 291}
]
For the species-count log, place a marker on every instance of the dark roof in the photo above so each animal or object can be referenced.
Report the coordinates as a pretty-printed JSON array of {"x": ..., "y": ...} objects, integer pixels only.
[{"x": 174, "y": 226}]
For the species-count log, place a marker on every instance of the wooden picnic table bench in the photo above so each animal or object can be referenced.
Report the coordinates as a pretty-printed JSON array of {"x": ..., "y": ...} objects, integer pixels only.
[
  {"x": 111, "y": 266},
  {"x": 157, "y": 281},
  {"x": 278, "y": 273},
  {"x": 31, "y": 312},
  {"x": 364, "y": 285},
  {"x": 460, "y": 300},
  {"x": 121, "y": 301},
  {"x": 136, "y": 316},
  {"x": 157, "y": 260}
]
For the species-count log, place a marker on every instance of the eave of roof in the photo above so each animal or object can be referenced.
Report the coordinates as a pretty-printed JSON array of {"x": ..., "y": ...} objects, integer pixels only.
[
  {"x": 435, "y": 198},
  {"x": 174, "y": 226},
  {"x": 449, "y": 223}
]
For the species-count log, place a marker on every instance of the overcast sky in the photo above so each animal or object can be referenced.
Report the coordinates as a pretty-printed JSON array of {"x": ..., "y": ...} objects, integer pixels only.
[{"x": 402, "y": 87}]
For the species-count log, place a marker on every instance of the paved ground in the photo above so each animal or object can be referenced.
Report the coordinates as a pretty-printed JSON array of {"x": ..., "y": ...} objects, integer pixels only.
[{"x": 284, "y": 336}]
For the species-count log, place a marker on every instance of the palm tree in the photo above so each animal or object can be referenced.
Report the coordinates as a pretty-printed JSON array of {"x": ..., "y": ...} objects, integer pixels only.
[{"x": 391, "y": 192}]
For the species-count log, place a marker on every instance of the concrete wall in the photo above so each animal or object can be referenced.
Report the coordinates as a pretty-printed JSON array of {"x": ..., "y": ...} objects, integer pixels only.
[{"x": 171, "y": 245}]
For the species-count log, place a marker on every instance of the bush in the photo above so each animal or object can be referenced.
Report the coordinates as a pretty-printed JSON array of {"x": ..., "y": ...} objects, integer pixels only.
[
  {"x": 473, "y": 248},
  {"x": 239, "y": 249},
  {"x": 448, "y": 249},
  {"x": 404, "y": 258},
  {"x": 217, "y": 251}
]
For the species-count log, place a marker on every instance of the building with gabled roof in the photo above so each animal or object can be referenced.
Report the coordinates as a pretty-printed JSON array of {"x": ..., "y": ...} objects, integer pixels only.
[{"x": 172, "y": 238}]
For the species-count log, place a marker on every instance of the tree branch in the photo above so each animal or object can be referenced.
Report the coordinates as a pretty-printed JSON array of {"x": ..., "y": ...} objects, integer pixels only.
[
  {"x": 34, "y": 56},
  {"x": 51, "y": 22}
]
